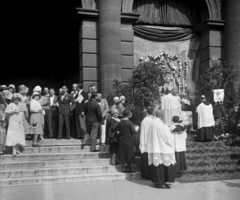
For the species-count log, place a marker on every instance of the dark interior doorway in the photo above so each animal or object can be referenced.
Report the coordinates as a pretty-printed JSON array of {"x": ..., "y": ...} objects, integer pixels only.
[{"x": 38, "y": 43}]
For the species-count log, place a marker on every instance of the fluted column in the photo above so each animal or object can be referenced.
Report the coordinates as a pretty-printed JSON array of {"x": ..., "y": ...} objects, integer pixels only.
[{"x": 109, "y": 44}]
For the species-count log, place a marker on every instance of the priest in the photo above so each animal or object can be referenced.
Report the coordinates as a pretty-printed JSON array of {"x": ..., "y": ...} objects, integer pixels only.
[
  {"x": 161, "y": 156},
  {"x": 205, "y": 120},
  {"x": 144, "y": 133},
  {"x": 171, "y": 106}
]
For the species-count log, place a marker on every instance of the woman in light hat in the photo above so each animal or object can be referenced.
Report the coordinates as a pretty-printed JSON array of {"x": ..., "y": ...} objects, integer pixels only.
[
  {"x": 36, "y": 119},
  {"x": 7, "y": 96},
  {"x": 15, "y": 132},
  {"x": 11, "y": 88},
  {"x": 113, "y": 135},
  {"x": 126, "y": 148},
  {"x": 23, "y": 90}
]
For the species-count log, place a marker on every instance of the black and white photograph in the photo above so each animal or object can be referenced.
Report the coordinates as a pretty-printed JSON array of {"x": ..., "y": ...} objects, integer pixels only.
[{"x": 120, "y": 99}]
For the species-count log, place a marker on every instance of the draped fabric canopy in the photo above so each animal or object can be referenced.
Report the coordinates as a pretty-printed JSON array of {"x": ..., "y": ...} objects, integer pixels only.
[
  {"x": 167, "y": 12},
  {"x": 163, "y": 34}
]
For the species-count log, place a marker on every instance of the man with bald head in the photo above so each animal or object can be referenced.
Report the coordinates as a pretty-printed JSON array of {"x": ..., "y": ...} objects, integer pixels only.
[{"x": 161, "y": 154}]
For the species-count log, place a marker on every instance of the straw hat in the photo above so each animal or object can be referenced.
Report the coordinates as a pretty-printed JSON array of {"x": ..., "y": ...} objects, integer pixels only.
[
  {"x": 116, "y": 99},
  {"x": 7, "y": 94},
  {"x": 114, "y": 111},
  {"x": 127, "y": 113},
  {"x": 23, "y": 89},
  {"x": 122, "y": 98},
  {"x": 36, "y": 94},
  {"x": 17, "y": 96},
  {"x": 37, "y": 89},
  {"x": 11, "y": 86},
  {"x": 4, "y": 87}
]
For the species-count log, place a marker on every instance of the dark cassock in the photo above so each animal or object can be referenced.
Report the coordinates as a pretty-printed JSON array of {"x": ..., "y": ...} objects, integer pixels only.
[
  {"x": 205, "y": 121},
  {"x": 161, "y": 155},
  {"x": 144, "y": 133}
]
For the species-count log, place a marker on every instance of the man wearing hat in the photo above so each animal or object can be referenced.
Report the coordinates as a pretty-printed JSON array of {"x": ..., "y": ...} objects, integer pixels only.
[{"x": 205, "y": 120}]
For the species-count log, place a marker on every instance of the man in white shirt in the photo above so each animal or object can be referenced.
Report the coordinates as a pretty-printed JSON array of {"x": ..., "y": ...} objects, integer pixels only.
[{"x": 53, "y": 114}]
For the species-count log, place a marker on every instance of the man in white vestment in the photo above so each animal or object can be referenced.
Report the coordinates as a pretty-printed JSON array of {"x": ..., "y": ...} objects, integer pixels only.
[
  {"x": 171, "y": 107},
  {"x": 144, "y": 132},
  {"x": 205, "y": 120},
  {"x": 161, "y": 155}
]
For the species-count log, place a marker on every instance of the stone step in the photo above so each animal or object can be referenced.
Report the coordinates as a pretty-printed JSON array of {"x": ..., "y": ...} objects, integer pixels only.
[
  {"x": 56, "y": 149},
  {"x": 210, "y": 174},
  {"x": 210, "y": 156},
  {"x": 55, "y": 142},
  {"x": 54, "y": 156},
  {"x": 59, "y": 171},
  {"x": 49, "y": 164},
  {"x": 68, "y": 178},
  {"x": 203, "y": 162},
  {"x": 62, "y": 142}
]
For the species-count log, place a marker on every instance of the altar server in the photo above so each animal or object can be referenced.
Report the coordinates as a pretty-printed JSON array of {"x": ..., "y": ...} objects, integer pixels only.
[
  {"x": 205, "y": 120},
  {"x": 144, "y": 133},
  {"x": 161, "y": 156},
  {"x": 180, "y": 137}
]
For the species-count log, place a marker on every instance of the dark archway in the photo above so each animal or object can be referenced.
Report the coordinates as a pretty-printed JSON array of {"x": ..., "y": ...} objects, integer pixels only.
[{"x": 39, "y": 43}]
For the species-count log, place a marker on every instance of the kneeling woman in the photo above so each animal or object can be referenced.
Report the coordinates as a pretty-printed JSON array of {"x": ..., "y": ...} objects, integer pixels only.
[
  {"x": 15, "y": 132},
  {"x": 36, "y": 119}
]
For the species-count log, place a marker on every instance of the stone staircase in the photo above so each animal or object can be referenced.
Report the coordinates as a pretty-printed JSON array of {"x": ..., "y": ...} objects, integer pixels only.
[
  {"x": 210, "y": 161},
  {"x": 59, "y": 161}
]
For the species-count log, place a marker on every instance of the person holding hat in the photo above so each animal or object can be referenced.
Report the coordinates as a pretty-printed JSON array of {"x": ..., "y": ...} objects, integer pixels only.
[
  {"x": 113, "y": 135},
  {"x": 205, "y": 120},
  {"x": 11, "y": 88},
  {"x": 36, "y": 119},
  {"x": 126, "y": 149},
  {"x": 15, "y": 131},
  {"x": 118, "y": 105}
]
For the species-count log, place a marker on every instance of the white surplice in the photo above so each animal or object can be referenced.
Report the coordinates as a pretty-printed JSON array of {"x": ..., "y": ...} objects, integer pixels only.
[
  {"x": 205, "y": 115},
  {"x": 171, "y": 107},
  {"x": 180, "y": 137},
  {"x": 160, "y": 144},
  {"x": 144, "y": 132}
]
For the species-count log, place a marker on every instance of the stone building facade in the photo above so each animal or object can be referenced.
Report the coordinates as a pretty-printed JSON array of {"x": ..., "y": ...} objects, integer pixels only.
[{"x": 110, "y": 44}]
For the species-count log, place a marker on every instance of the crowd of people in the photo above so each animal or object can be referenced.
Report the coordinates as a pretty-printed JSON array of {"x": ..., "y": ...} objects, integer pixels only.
[
  {"x": 43, "y": 115},
  {"x": 85, "y": 114}
]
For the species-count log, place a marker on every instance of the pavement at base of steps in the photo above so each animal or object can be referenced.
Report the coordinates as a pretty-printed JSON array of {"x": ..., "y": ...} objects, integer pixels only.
[{"x": 125, "y": 190}]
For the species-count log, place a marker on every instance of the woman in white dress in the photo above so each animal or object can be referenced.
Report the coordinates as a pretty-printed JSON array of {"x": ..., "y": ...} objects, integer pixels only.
[
  {"x": 36, "y": 119},
  {"x": 15, "y": 132}
]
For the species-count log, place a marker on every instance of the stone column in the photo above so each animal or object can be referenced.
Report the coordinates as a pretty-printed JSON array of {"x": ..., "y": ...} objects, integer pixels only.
[
  {"x": 109, "y": 44},
  {"x": 232, "y": 33}
]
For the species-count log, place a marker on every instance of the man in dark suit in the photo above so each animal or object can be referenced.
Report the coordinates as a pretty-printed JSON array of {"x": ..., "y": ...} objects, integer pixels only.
[
  {"x": 46, "y": 107},
  {"x": 93, "y": 114},
  {"x": 53, "y": 114},
  {"x": 80, "y": 99},
  {"x": 64, "y": 103},
  {"x": 74, "y": 125}
]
